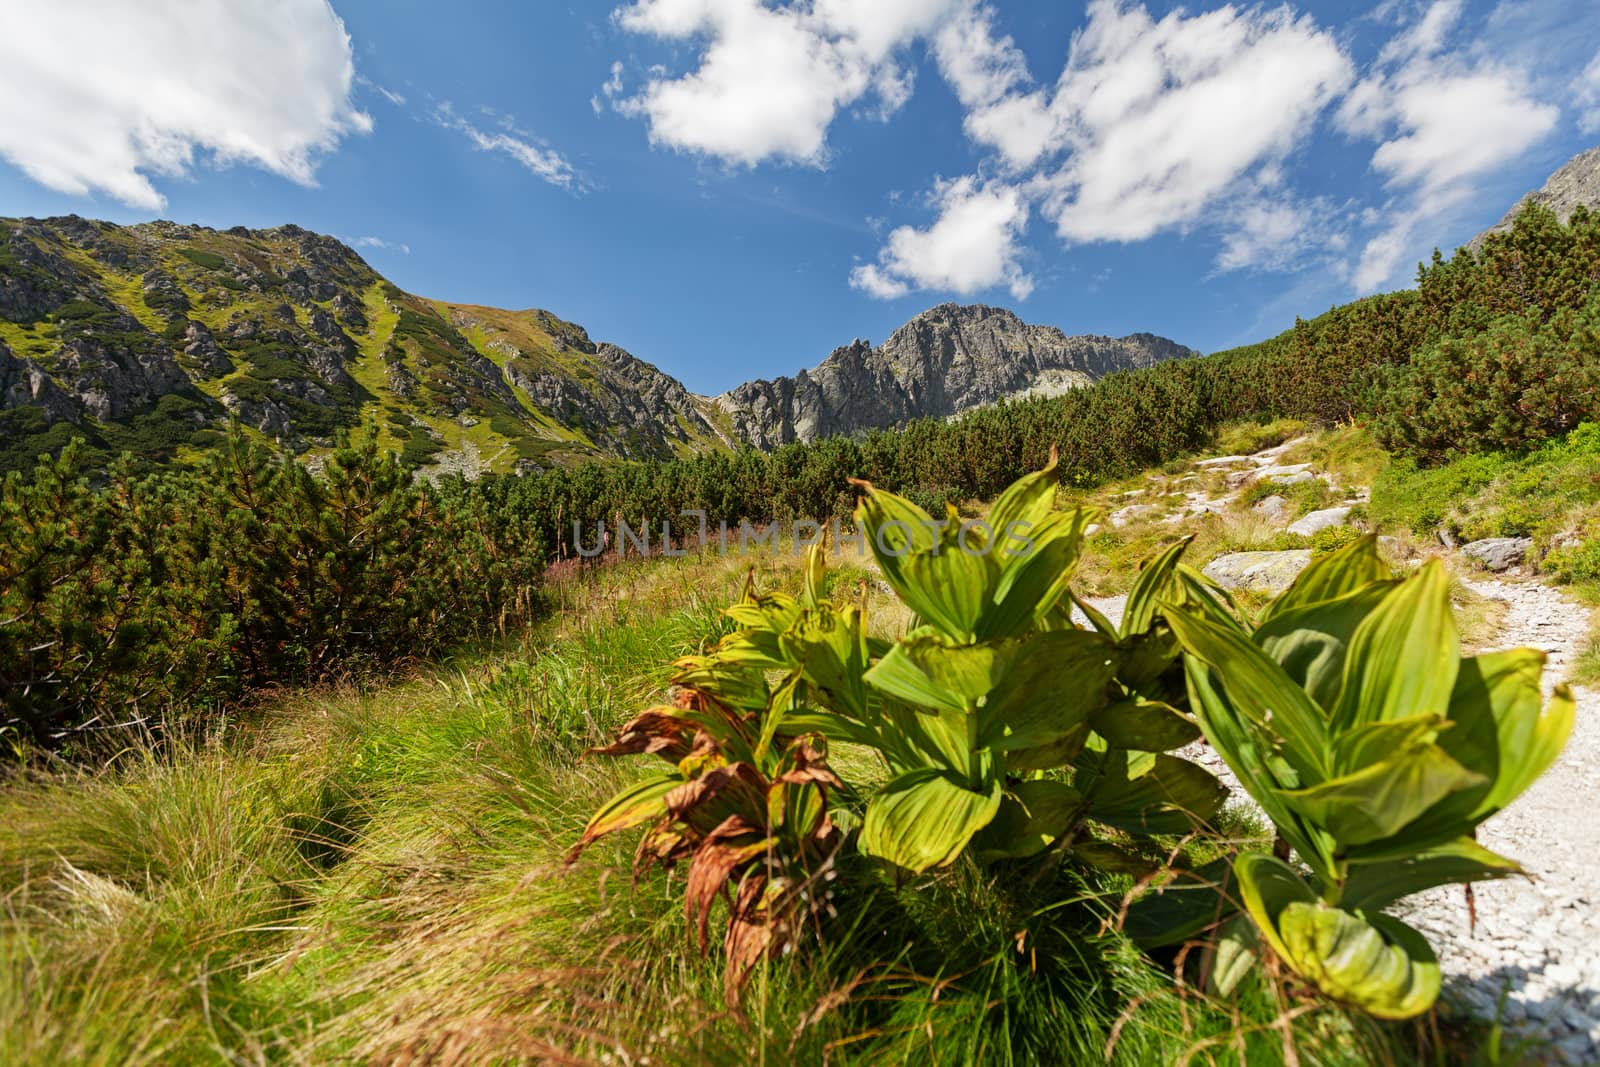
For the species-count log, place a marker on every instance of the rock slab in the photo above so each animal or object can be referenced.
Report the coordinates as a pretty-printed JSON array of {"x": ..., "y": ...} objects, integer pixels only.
[{"x": 1258, "y": 572}]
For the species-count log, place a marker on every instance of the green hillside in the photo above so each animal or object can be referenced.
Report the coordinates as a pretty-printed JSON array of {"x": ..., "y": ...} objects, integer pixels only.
[{"x": 152, "y": 338}]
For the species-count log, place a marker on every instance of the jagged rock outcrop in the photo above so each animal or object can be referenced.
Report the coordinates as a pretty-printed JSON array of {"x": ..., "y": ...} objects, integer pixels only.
[
  {"x": 172, "y": 330},
  {"x": 1575, "y": 184},
  {"x": 945, "y": 361}
]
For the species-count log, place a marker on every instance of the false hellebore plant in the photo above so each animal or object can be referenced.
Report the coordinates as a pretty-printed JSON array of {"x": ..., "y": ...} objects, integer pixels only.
[
  {"x": 1376, "y": 749},
  {"x": 1004, "y": 731}
]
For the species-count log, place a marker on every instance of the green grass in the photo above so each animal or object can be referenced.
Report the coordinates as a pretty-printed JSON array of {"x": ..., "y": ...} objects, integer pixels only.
[{"x": 376, "y": 876}]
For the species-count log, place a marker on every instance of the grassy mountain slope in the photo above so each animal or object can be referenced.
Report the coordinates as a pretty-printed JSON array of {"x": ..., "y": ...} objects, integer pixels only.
[{"x": 150, "y": 338}]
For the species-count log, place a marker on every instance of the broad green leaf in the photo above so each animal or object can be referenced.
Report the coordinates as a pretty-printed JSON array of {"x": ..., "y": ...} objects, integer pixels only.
[
  {"x": 1260, "y": 690},
  {"x": 1375, "y": 885},
  {"x": 1382, "y": 965},
  {"x": 1145, "y": 793},
  {"x": 1234, "y": 957},
  {"x": 1262, "y": 775},
  {"x": 1403, "y": 657},
  {"x": 737, "y": 685},
  {"x": 1502, "y": 688},
  {"x": 827, "y": 643},
  {"x": 1332, "y": 577},
  {"x": 1149, "y": 588},
  {"x": 1098, "y": 621},
  {"x": 928, "y": 670},
  {"x": 1023, "y": 506},
  {"x": 1377, "y": 801},
  {"x": 1310, "y": 642},
  {"x": 1054, "y": 681},
  {"x": 1144, "y": 724},
  {"x": 1110, "y": 857},
  {"x": 950, "y": 588},
  {"x": 1267, "y": 886},
  {"x": 1050, "y": 755},
  {"x": 923, "y": 819},
  {"x": 774, "y": 612},
  {"x": 1032, "y": 815},
  {"x": 1375, "y": 742},
  {"x": 1032, "y": 583},
  {"x": 1183, "y": 906}
]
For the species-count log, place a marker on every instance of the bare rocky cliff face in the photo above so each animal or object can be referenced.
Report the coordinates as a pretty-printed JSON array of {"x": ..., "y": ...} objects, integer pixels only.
[
  {"x": 1575, "y": 184},
  {"x": 947, "y": 360}
]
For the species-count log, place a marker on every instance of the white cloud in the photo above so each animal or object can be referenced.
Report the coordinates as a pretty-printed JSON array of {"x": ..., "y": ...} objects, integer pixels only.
[
  {"x": 545, "y": 163},
  {"x": 1162, "y": 120},
  {"x": 1444, "y": 119},
  {"x": 1266, "y": 235},
  {"x": 1151, "y": 125},
  {"x": 105, "y": 95},
  {"x": 771, "y": 79},
  {"x": 390, "y": 95},
  {"x": 1587, "y": 97},
  {"x": 380, "y": 243},
  {"x": 972, "y": 246}
]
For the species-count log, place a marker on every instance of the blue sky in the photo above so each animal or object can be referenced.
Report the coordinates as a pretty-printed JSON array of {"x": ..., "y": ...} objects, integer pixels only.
[{"x": 731, "y": 188}]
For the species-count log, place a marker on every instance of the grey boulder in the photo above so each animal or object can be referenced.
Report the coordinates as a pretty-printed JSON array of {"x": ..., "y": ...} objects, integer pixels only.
[
  {"x": 1258, "y": 572},
  {"x": 1317, "y": 521},
  {"x": 1498, "y": 553}
]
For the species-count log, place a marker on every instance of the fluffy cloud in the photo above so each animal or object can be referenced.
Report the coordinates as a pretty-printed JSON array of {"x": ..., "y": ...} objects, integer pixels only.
[
  {"x": 1161, "y": 120},
  {"x": 771, "y": 79},
  {"x": 1587, "y": 93},
  {"x": 1444, "y": 119},
  {"x": 972, "y": 246},
  {"x": 106, "y": 93},
  {"x": 545, "y": 163}
]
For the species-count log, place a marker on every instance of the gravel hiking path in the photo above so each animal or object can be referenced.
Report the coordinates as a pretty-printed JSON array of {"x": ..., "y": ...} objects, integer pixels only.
[{"x": 1536, "y": 941}]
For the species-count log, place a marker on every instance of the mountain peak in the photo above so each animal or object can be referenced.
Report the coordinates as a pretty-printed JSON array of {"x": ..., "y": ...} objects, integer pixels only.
[
  {"x": 942, "y": 362},
  {"x": 1575, "y": 184}
]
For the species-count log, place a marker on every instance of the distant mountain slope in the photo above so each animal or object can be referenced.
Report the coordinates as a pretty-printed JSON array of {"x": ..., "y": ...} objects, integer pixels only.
[
  {"x": 1576, "y": 183},
  {"x": 151, "y": 337},
  {"x": 947, "y": 360}
]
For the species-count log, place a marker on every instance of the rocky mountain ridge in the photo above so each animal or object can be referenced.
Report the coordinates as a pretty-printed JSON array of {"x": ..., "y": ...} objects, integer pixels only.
[
  {"x": 1576, "y": 183},
  {"x": 153, "y": 338},
  {"x": 945, "y": 361}
]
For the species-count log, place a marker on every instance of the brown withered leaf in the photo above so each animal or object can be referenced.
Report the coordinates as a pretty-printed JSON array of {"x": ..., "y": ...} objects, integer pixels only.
[
  {"x": 658, "y": 731},
  {"x": 705, "y": 801},
  {"x": 733, "y": 843}
]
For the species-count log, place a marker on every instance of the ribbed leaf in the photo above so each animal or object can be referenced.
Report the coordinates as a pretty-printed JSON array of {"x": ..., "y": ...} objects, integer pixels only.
[
  {"x": 1055, "y": 681},
  {"x": 1025, "y": 503},
  {"x": 1382, "y": 966},
  {"x": 1150, "y": 588},
  {"x": 1311, "y": 642},
  {"x": 1183, "y": 906},
  {"x": 1032, "y": 815},
  {"x": 1502, "y": 689},
  {"x": 1144, "y": 724},
  {"x": 1377, "y": 801},
  {"x": 923, "y": 819},
  {"x": 1259, "y": 690},
  {"x": 1145, "y": 793},
  {"x": 928, "y": 670},
  {"x": 1403, "y": 658},
  {"x": 1031, "y": 584},
  {"x": 635, "y": 805},
  {"x": 1376, "y": 885},
  {"x": 1331, "y": 577},
  {"x": 1233, "y": 738}
]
